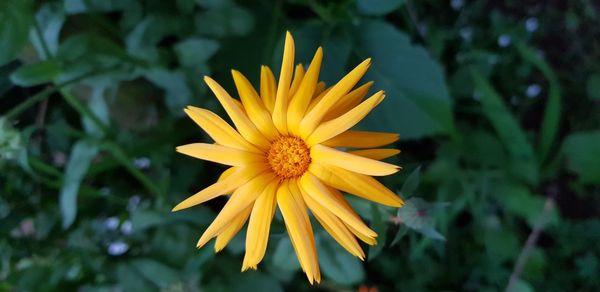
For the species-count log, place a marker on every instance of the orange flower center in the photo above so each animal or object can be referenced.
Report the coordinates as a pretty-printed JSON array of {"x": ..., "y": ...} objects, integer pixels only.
[{"x": 289, "y": 157}]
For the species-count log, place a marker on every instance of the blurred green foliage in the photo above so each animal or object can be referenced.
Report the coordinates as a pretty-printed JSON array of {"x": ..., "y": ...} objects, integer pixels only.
[{"x": 496, "y": 103}]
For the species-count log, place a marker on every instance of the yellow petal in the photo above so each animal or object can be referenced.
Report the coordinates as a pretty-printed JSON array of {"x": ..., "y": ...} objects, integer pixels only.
[
  {"x": 232, "y": 229},
  {"x": 218, "y": 129},
  {"x": 320, "y": 87},
  {"x": 330, "y": 129},
  {"x": 299, "y": 229},
  {"x": 348, "y": 101},
  {"x": 361, "y": 139},
  {"x": 283, "y": 87},
  {"x": 364, "y": 238},
  {"x": 305, "y": 92},
  {"x": 256, "y": 110},
  {"x": 377, "y": 154},
  {"x": 268, "y": 87},
  {"x": 357, "y": 184},
  {"x": 257, "y": 235},
  {"x": 320, "y": 193},
  {"x": 334, "y": 226},
  {"x": 339, "y": 198},
  {"x": 220, "y": 154},
  {"x": 317, "y": 98},
  {"x": 230, "y": 180},
  {"x": 330, "y": 156},
  {"x": 241, "y": 198},
  {"x": 238, "y": 116},
  {"x": 298, "y": 76},
  {"x": 314, "y": 116}
]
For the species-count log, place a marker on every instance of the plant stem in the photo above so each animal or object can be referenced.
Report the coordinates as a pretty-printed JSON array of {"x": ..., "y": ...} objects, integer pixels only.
[{"x": 529, "y": 245}]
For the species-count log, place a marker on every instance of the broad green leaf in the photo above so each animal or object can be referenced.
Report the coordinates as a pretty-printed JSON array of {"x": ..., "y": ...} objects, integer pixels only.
[
  {"x": 195, "y": 51},
  {"x": 336, "y": 43},
  {"x": 255, "y": 281},
  {"x": 155, "y": 272},
  {"x": 144, "y": 219},
  {"x": 593, "y": 86},
  {"x": 337, "y": 264},
  {"x": 131, "y": 280},
  {"x": 553, "y": 105},
  {"x": 98, "y": 107},
  {"x": 582, "y": 153},
  {"x": 80, "y": 158},
  {"x": 232, "y": 19},
  {"x": 284, "y": 257},
  {"x": 411, "y": 183},
  {"x": 174, "y": 83},
  {"x": 83, "y": 6},
  {"x": 378, "y": 7},
  {"x": 402, "y": 230},
  {"x": 417, "y": 214},
  {"x": 522, "y": 286},
  {"x": 50, "y": 18},
  {"x": 36, "y": 74},
  {"x": 508, "y": 129},
  {"x": 141, "y": 41},
  {"x": 518, "y": 200},
  {"x": 379, "y": 225},
  {"x": 417, "y": 102},
  {"x": 15, "y": 20}
]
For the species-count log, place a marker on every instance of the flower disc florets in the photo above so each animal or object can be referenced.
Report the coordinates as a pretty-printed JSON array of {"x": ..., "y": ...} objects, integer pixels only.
[{"x": 289, "y": 157}]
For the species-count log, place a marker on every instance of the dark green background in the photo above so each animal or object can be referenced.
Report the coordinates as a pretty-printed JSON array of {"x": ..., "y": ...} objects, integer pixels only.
[{"x": 496, "y": 103}]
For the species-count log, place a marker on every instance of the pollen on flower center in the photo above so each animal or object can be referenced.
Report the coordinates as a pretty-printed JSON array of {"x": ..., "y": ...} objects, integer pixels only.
[{"x": 289, "y": 157}]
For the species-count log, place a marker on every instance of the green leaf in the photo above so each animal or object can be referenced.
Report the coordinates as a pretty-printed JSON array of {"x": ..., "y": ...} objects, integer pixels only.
[
  {"x": 50, "y": 18},
  {"x": 174, "y": 83},
  {"x": 508, "y": 129},
  {"x": 593, "y": 86},
  {"x": 402, "y": 230},
  {"x": 336, "y": 43},
  {"x": 195, "y": 51},
  {"x": 155, "y": 272},
  {"x": 231, "y": 19},
  {"x": 81, "y": 156},
  {"x": 583, "y": 155},
  {"x": 337, "y": 264},
  {"x": 417, "y": 214},
  {"x": 378, "y": 7},
  {"x": 36, "y": 74},
  {"x": 553, "y": 105},
  {"x": 417, "y": 102},
  {"x": 255, "y": 281},
  {"x": 83, "y": 6},
  {"x": 98, "y": 107},
  {"x": 15, "y": 19},
  {"x": 284, "y": 258},
  {"x": 522, "y": 286},
  {"x": 412, "y": 182},
  {"x": 379, "y": 225},
  {"x": 518, "y": 200},
  {"x": 131, "y": 280}
]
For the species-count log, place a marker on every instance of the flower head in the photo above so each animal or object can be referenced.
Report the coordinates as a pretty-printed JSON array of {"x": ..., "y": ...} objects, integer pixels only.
[{"x": 284, "y": 154}]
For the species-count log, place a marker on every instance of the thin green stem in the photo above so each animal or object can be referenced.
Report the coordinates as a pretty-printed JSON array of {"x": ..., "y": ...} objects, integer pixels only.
[
  {"x": 122, "y": 158},
  {"x": 29, "y": 102},
  {"x": 113, "y": 148},
  {"x": 40, "y": 96}
]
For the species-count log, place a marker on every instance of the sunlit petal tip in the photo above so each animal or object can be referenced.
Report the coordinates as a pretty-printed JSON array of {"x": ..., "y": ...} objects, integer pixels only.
[{"x": 178, "y": 207}]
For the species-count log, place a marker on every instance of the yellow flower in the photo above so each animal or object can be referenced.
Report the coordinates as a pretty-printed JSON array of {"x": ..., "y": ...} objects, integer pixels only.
[{"x": 283, "y": 154}]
